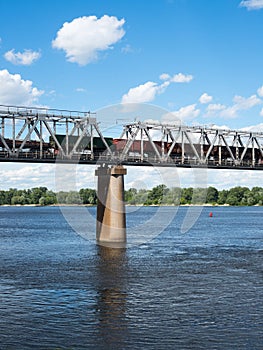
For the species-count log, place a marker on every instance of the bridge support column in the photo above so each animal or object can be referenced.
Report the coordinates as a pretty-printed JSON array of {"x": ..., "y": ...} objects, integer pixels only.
[{"x": 111, "y": 216}]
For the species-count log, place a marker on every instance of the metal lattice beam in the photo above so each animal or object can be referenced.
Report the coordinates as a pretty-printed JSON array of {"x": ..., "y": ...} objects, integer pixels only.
[{"x": 38, "y": 134}]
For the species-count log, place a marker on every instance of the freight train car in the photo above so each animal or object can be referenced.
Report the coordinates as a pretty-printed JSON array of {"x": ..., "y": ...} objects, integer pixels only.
[
  {"x": 176, "y": 153},
  {"x": 28, "y": 145},
  {"x": 215, "y": 152},
  {"x": 134, "y": 153},
  {"x": 84, "y": 145},
  {"x": 119, "y": 144}
]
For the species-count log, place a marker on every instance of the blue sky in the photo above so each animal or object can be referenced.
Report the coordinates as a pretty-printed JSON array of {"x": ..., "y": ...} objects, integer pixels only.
[{"x": 199, "y": 59}]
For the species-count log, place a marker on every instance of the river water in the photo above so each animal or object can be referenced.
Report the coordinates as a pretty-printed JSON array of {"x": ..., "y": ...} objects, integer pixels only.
[{"x": 199, "y": 290}]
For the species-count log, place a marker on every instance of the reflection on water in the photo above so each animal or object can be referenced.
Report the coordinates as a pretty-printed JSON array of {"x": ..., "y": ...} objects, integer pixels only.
[{"x": 112, "y": 296}]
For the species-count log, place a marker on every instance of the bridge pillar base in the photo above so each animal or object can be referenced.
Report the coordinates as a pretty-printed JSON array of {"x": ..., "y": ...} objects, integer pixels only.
[{"x": 111, "y": 216}]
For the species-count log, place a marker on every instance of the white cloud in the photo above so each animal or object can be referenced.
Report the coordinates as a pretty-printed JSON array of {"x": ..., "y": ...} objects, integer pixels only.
[
  {"x": 181, "y": 78},
  {"x": 143, "y": 178},
  {"x": 244, "y": 103},
  {"x": 225, "y": 179},
  {"x": 84, "y": 37},
  {"x": 164, "y": 76},
  {"x": 81, "y": 90},
  {"x": 15, "y": 175},
  {"x": 187, "y": 113},
  {"x": 14, "y": 90},
  {"x": 240, "y": 104},
  {"x": 20, "y": 176},
  {"x": 147, "y": 92},
  {"x": 52, "y": 93},
  {"x": 252, "y": 4},
  {"x": 260, "y": 91},
  {"x": 25, "y": 58},
  {"x": 253, "y": 128},
  {"x": 221, "y": 179},
  {"x": 205, "y": 98},
  {"x": 127, "y": 49},
  {"x": 144, "y": 92},
  {"x": 261, "y": 112},
  {"x": 177, "y": 78},
  {"x": 219, "y": 127},
  {"x": 214, "y": 108}
]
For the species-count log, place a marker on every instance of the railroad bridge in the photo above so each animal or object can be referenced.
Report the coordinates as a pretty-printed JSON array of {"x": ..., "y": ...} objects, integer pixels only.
[{"x": 39, "y": 135}]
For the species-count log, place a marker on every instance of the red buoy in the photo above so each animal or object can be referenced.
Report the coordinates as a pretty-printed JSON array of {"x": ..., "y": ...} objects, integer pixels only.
[{"x": 210, "y": 214}]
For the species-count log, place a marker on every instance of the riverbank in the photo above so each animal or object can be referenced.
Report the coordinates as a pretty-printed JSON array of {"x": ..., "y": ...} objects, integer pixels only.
[
  {"x": 128, "y": 205},
  {"x": 41, "y": 196}
]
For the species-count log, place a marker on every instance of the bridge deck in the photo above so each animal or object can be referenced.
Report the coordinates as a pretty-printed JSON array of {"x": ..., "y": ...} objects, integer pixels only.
[
  {"x": 109, "y": 161},
  {"x": 32, "y": 135}
]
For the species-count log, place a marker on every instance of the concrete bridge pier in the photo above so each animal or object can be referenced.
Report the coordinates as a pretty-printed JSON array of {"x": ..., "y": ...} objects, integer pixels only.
[{"x": 111, "y": 216}]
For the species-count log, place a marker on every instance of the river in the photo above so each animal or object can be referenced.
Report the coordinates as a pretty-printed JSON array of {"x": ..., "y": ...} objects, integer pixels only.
[{"x": 202, "y": 289}]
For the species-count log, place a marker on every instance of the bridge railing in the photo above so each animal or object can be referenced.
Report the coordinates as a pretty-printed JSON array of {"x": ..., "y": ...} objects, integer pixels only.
[{"x": 39, "y": 134}]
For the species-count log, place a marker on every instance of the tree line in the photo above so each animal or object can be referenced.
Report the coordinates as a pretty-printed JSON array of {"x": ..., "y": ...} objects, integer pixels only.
[
  {"x": 161, "y": 195},
  {"x": 158, "y": 195},
  {"x": 43, "y": 196}
]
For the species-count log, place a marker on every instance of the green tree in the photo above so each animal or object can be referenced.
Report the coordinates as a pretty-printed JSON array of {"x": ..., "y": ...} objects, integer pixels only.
[
  {"x": 141, "y": 197},
  {"x": 62, "y": 197},
  {"x": 37, "y": 193},
  {"x": 18, "y": 200},
  {"x": 236, "y": 194},
  {"x": 257, "y": 194},
  {"x": 212, "y": 195},
  {"x": 187, "y": 194},
  {"x": 88, "y": 196},
  {"x": 10, "y": 194},
  {"x": 50, "y": 198},
  {"x": 199, "y": 195},
  {"x": 157, "y": 194},
  {"x": 222, "y": 197},
  {"x": 42, "y": 201},
  {"x": 130, "y": 196},
  {"x": 73, "y": 198},
  {"x": 172, "y": 196},
  {"x": 2, "y": 197}
]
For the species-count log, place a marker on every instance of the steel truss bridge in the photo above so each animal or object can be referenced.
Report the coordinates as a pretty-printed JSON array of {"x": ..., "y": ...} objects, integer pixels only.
[{"x": 39, "y": 135}]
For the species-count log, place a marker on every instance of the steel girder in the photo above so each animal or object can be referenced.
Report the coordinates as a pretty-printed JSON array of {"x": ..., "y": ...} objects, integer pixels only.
[
  {"x": 143, "y": 143},
  {"x": 198, "y": 144},
  {"x": 19, "y": 125}
]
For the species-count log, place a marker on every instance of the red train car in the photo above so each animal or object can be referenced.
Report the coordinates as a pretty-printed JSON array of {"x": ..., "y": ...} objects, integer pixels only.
[{"x": 119, "y": 145}]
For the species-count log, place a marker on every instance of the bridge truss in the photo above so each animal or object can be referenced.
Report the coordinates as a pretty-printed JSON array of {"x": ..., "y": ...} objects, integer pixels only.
[
  {"x": 45, "y": 135},
  {"x": 49, "y": 135},
  {"x": 193, "y": 146}
]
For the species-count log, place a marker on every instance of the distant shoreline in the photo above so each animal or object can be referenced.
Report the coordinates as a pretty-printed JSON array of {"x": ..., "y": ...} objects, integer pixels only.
[
  {"x": 158, "y": 195},
  {"x": 129, "y": 205}
]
